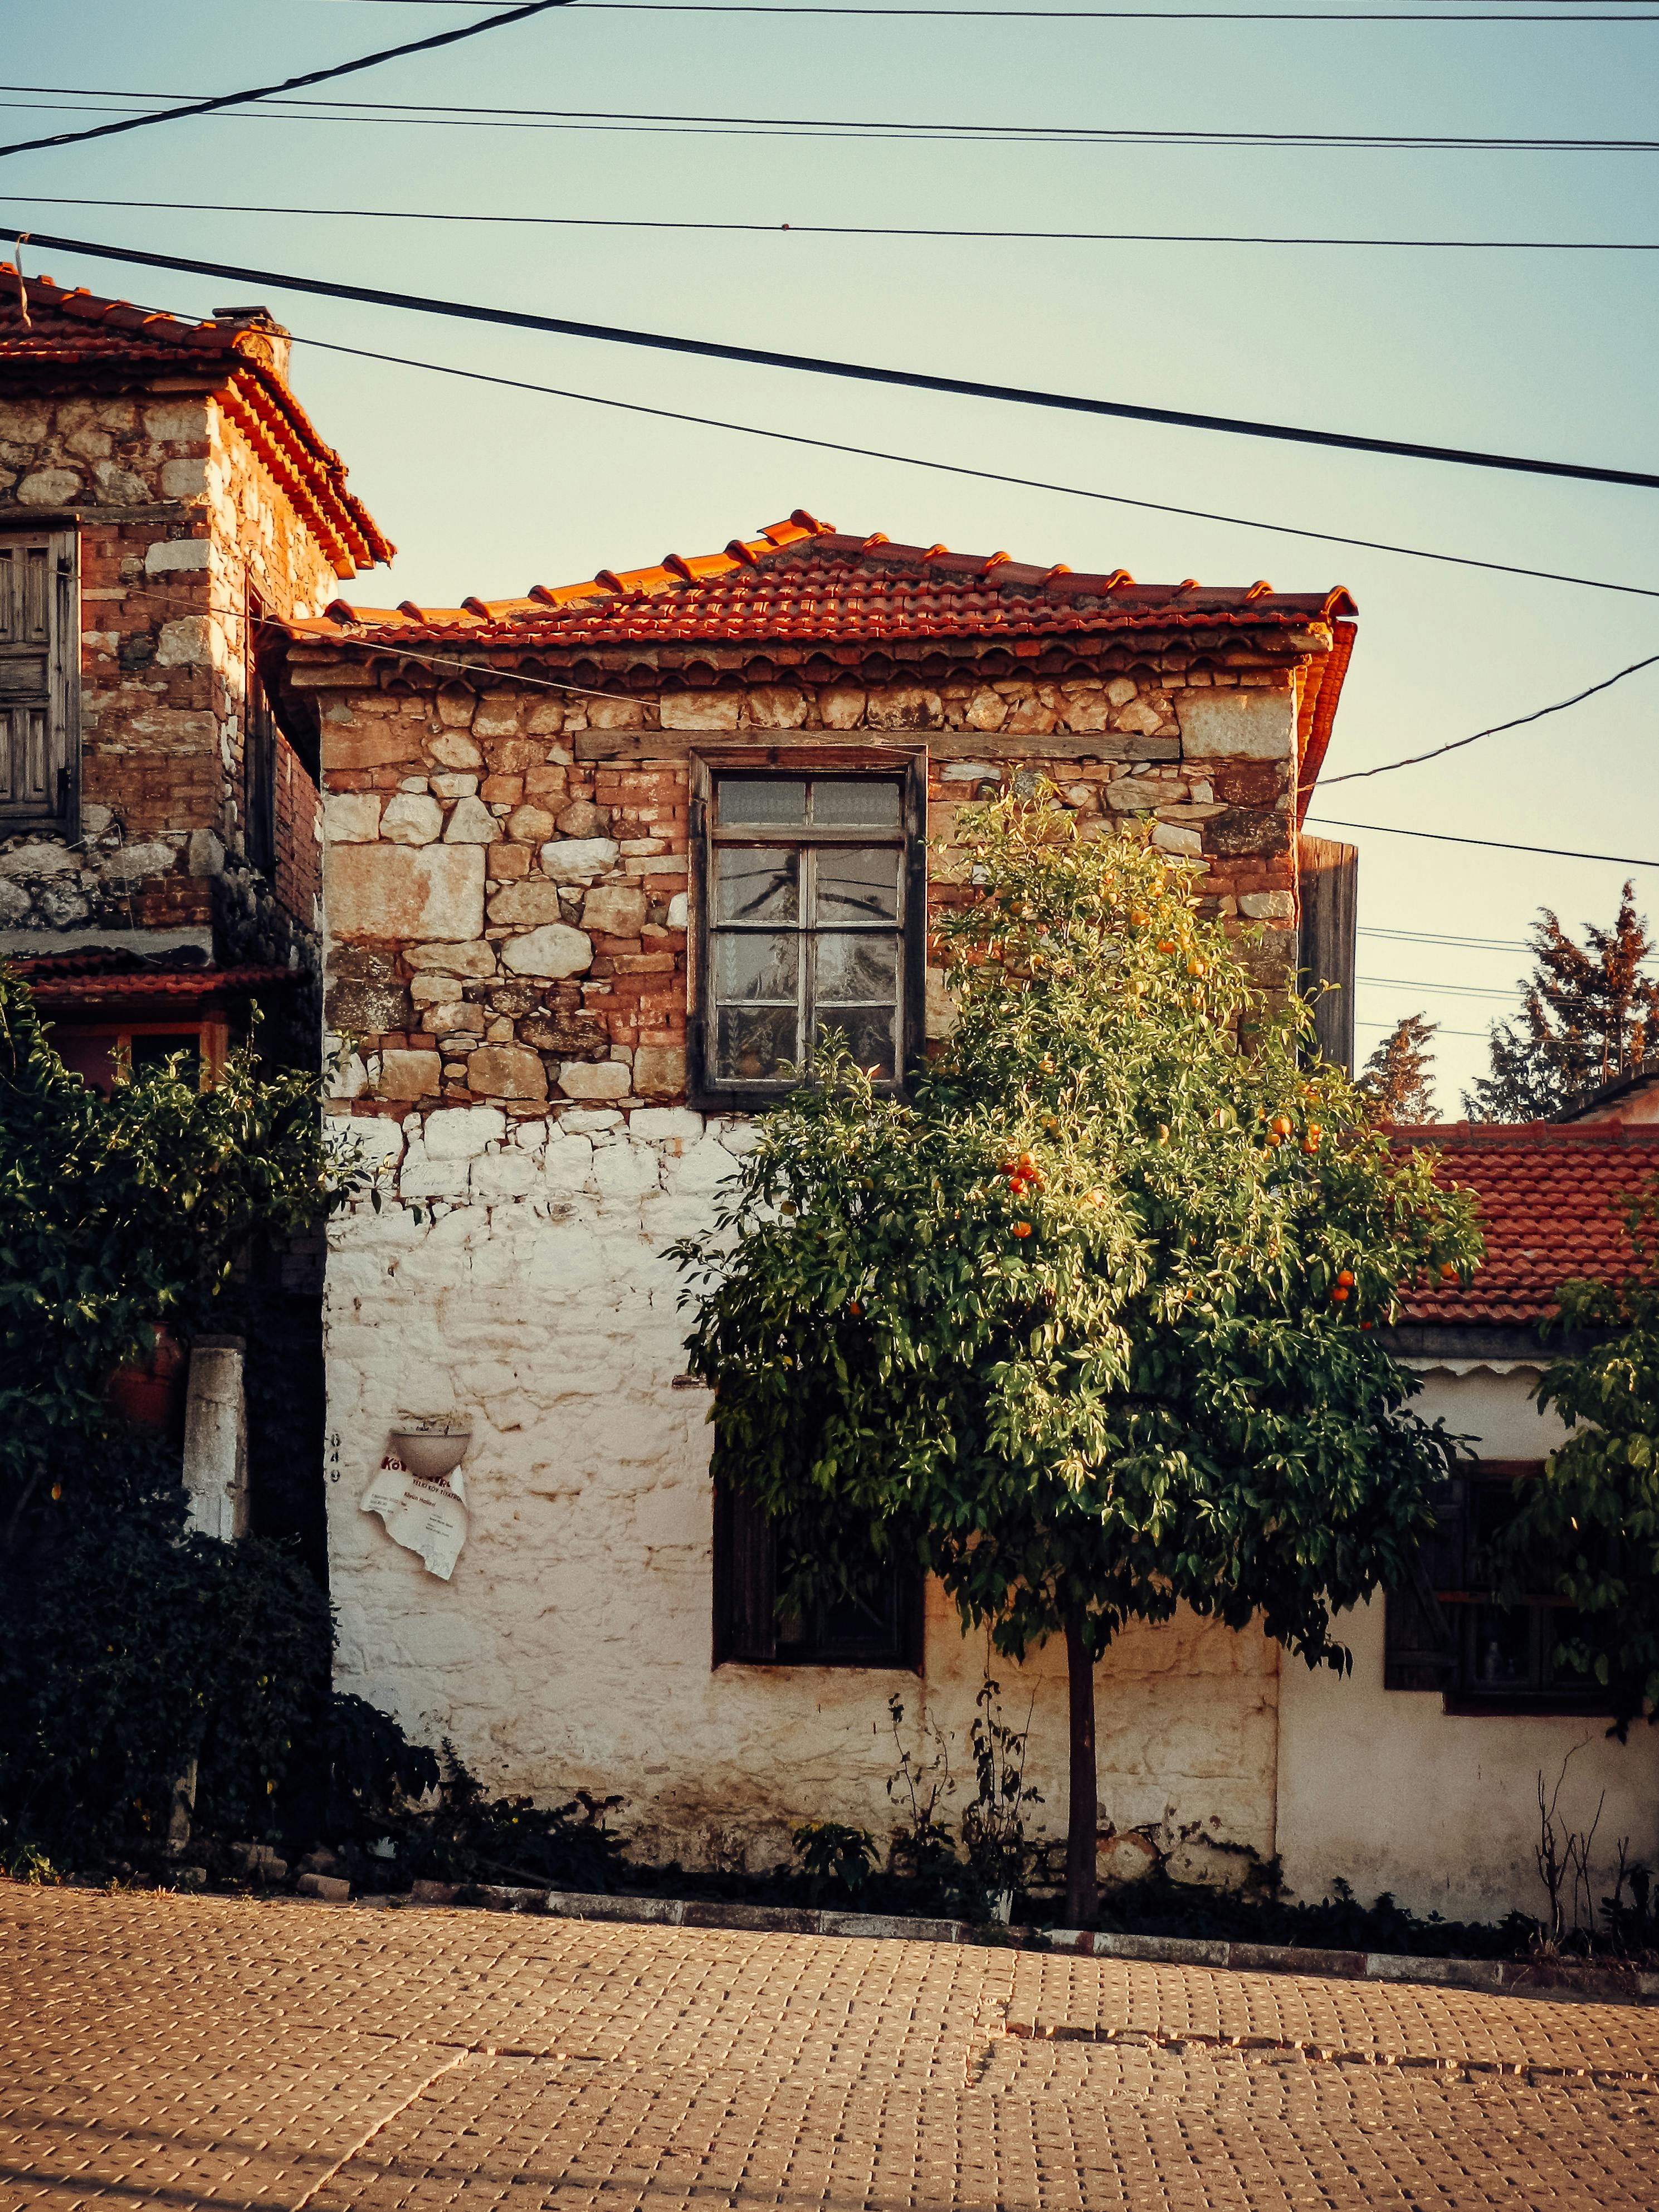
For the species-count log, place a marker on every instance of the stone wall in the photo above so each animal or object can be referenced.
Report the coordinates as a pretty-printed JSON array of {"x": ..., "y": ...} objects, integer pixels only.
[
  {"x": 506, "y": 866},
  {"x": 178, "y": 519}
]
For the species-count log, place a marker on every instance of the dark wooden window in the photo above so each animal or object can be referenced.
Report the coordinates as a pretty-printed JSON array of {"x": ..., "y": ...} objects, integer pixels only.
[
  {"x": 40, "y": 680},
  {"x": 259, "y": 778},
  {"x": 1443, "y": 1632},
  {"x": 876, "y": 1623},
  {"x": 811, "y": 909}
]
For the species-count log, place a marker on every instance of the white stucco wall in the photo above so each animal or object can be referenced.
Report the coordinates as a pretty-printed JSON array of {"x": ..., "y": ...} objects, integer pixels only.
[
  {"x": 572, "y": 1646},
  {"x": 1387, "y": 1789}
]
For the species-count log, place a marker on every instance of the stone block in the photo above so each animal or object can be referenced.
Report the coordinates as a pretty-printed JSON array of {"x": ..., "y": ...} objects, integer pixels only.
[
  {"x": 497, "y": 715},
  {"x": 1245, "y": 724},
  {"x": 986, "y": 710},
  {"x": 904, "y": 706},
  {"x": 450, "y": 786},
  {"x": 1169, "y": 838},
  {"x": 39, "y": 859},
  {"x": 556, "y": 951},
  {"x": 363, "y": 995},
  {"x": 659, "y": 1071},
  {"x": 190, "y": 642},
  {"x": 590, "y": 1079},
  {"x": 679, "y": 911},
  {"x": 174, "y": 555},
  {"x": 840, "y": 706},
  {"x": 411, "y": 819},
  {"x": 399, "y": 891},
  {"x": 346, "y": 747},
  {"x": 471, "y": 823},
  {"x": 476, "y": 960},
  {"x": 531, "y": 825},
  {"x": 615, "y": 910},
  {"x": 1125, "y": 1858},
  {"x": 452, "y": 749},
  {"x": 53, "y": 488},
  {"x": 776, "y": 707},
  {"x": 351, "y": 817},
  {"x": 506, "y": 1070},
  {"x": 327, "y": 1888},
  {"x": 700, "y": 710},
  {"x": 578, "y": 860},
  {"x": 615, "y": 714},
  {"x": 464, "y": 1133},
  {"x": 581, "y": 818},
  {"x": 409, "y": 1075},
  {"x": 661, "y": 1125},
  {"x": 1266, "y": 906},
  {"x": 504, "y": 1175},
  {"x": 527, "y": 904}
]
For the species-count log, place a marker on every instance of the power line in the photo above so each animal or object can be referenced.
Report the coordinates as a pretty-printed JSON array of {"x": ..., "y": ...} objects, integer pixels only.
[
  {"x": 1519, "y": 721},
  {"x": 1487, "y": 844},
  {"x": 1440, "y": 936},
  {"x": 978, "y": 476},
  {"x": 834, "y": 129},
  {"x": 1366, "y": 1022},
  {"x": 857, "y": 230},
  {"x": 1056, "y": 14},
  {"x": 211, "y": 105},
  {"x": 1455, "y": 990},
  {"x": 856, "y": 372}
]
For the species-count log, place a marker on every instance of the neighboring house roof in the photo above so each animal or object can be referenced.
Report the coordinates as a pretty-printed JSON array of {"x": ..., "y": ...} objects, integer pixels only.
[
  {"x": 101, "y": 976},
  {"x": 49, "y": 335},
  {"x": 1631, "y": 1096},
  {"x": 1552, "y": 1207}
]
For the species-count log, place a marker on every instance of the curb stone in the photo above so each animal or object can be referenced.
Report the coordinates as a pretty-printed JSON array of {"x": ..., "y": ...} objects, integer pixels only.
[{"x": 1561, "y": 1980}]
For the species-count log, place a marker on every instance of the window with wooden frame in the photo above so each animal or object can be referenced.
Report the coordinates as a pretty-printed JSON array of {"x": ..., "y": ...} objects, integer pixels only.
[
  {"x": 1444, "y": 1633},
  {"x": 876, "y": 1622},
  {"x": 104, "y": 1053},
  {"x": 809, "y": 893},
  {"x": 259, "y": 754},
  {"x": 40, "y": 680}
]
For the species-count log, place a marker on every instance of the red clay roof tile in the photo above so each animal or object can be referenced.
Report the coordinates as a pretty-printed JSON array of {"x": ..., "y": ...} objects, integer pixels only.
[
  {"x": 801, "y": 580},
  {"x": 1551, "y": 1200}
]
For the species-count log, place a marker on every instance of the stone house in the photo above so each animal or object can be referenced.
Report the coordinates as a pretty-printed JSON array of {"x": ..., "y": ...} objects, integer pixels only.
[{"x": 164, "y": 501}]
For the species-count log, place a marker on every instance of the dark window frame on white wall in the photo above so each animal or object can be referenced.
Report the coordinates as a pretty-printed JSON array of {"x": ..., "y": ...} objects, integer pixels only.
[
  {"x": 39, "y": 680},
  {"x": 791, "y": 926}
]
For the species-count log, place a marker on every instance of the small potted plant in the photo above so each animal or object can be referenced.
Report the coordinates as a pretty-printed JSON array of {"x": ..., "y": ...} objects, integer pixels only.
[{"x": 431, "y": 1446}]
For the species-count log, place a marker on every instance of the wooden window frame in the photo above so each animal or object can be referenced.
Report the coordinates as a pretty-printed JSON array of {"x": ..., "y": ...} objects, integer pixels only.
[
  {"x": 212, "y": 1036},
  {"x": 61, "y": 809},
  {"x": 1429, "y": 1626},
  {"x": 746, "y": 1594},
  {"x": 905, "y": 765}
]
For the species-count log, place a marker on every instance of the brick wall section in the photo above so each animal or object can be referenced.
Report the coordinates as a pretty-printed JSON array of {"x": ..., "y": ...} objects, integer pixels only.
[
  {"x": 298, "y": 870},
  {"x": 180, "y": 518},
  {"x": 505, "y": 863}
]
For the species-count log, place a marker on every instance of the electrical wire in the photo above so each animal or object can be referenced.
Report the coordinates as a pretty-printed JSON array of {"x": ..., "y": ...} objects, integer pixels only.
[
  {"x": 856, "y": 372},
  {"x": 856, "y": 230},
  {"x": 216, "y": 101},
  {"x": 1455, "y": 990},
  {"x": 831, "y": 129},
  {"x": 1050, "y": 14},
  {"x": 1519, "y": 722},
  {"x": 1440, "y": 936},
  {"x": 1487, "y": 844}
]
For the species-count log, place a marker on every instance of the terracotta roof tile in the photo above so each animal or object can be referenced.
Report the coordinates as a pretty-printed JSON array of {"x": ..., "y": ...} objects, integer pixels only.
[
  {"x": 800, "y": 580},
  {"x": 1552, "y": 1207},
  {"x": 68, "y": 330}
]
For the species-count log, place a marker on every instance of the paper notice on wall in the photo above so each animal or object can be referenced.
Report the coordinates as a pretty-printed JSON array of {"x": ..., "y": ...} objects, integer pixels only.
[{"x": 427, "y": 1518}]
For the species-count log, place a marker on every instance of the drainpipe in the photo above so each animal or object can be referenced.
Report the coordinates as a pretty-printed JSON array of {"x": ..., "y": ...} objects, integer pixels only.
[{"x": 216, "y": 1439}]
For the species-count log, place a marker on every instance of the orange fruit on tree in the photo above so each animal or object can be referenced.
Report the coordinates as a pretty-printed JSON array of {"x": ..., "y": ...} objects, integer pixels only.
[{"x": 1021, "y": 1229}]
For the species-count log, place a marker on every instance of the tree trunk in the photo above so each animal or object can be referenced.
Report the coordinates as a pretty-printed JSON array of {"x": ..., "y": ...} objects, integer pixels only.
[{"x": 1082, "y": 1884}]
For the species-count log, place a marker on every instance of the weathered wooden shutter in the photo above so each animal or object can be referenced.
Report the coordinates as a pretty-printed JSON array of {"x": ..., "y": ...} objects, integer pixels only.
[
  {"x": 1421, "y": 1635},
  {"x": 1329, "y": 879},
  {"x": 39, "y": 680},
  {"x": 746, "y": 1581}
]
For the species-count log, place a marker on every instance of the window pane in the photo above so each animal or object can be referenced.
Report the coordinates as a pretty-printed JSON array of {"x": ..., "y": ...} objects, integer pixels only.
[
  {"x": 748, "y": 800},
  {"x": 153, "y": 1052},
  {"x": 869, "y": 1034},
  {"x": 754, "y": 965},
  {"x": 1500, "y": 1657},
  {"x": 1560, "y": 1624},
  {"x": 750, "y": 1041},
  {"x": 856, "y": 803},
  {"x": 761, "y": 885},
  {"x": 857, "y": 886},
  {"x": 851, "y": 967}
]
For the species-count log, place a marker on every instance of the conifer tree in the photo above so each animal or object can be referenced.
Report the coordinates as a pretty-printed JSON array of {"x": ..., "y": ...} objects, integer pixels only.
[
  {"x": 1588, "y": 1014},
  {"x": 1398, "y": 1077}
]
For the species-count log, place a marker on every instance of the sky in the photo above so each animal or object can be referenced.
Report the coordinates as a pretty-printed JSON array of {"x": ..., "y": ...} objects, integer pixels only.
[{"x": 488, "y": 491}]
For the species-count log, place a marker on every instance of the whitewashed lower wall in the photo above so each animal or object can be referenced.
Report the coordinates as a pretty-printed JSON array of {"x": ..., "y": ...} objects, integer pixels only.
[
  {"x": 1387, "y": 1789},
  {"x": 572, "y": 1647}
]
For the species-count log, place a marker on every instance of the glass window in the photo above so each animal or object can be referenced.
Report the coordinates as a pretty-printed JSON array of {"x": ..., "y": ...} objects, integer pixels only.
[
  {"x": 805, "y": 920},
  {"x": 875, "y": 1622}
]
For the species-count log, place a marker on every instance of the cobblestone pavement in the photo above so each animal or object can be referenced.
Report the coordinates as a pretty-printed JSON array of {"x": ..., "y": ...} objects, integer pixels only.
[{"x": 160, "y": 2054}]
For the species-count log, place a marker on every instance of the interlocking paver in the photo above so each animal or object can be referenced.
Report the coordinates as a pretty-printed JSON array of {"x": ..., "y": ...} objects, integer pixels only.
[{"x": 163, "y": 2055}]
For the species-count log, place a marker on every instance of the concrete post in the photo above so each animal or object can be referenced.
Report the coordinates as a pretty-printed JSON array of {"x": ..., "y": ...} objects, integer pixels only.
[{"x": 216, "y": 1439}]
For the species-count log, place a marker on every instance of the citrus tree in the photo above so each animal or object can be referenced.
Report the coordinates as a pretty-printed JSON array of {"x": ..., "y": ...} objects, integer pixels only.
[
  {"x": 1588, "y": 1528},
  {"x": 1086, "y": 1323}
]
